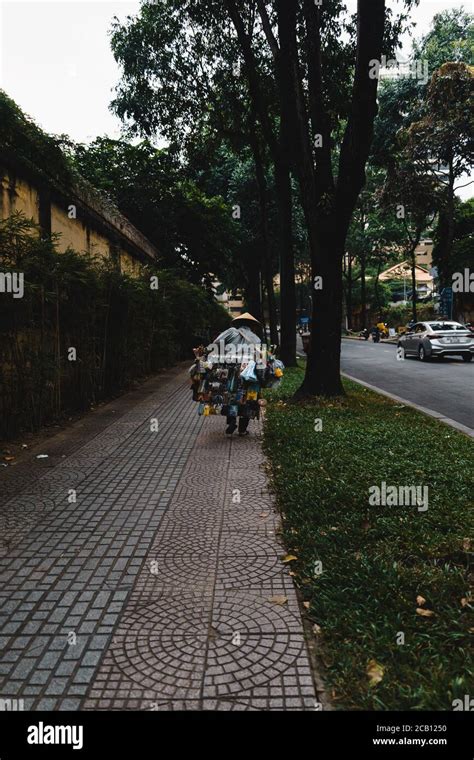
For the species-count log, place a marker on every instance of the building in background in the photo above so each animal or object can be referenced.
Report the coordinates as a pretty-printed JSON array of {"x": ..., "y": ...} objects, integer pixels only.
[
  {"x": 402, "y": 272},
  {"x": 231, "y": 301}
]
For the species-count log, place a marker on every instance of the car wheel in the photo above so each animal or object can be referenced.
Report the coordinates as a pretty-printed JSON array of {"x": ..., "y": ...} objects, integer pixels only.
[
  {"x": 467, "y": 357},
  {"x": 422, "y": 354}
]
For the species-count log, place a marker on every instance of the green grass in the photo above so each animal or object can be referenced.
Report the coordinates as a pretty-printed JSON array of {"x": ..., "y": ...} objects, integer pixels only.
[{"x": 376, "y": 560}]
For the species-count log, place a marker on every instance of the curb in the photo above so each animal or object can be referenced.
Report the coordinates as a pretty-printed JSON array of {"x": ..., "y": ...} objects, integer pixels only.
[
  {"x": 430, "y": 412},
  {"x": 392, "y": 341}
]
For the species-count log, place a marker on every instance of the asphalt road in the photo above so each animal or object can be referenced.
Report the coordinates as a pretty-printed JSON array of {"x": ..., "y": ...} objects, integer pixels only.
[{"x": 445, "y": 386}]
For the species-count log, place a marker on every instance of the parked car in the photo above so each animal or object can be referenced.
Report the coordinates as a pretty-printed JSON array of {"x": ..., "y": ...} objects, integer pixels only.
[{"x": 431, "y": 339}]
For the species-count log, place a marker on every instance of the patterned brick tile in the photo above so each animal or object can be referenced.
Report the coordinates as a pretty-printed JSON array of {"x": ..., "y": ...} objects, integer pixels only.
[{"x": 160, "y": 585}]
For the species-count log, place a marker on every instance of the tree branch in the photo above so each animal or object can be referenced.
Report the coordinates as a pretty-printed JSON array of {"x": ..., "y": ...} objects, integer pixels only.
[
  {"x": 267, "y": 28},
  {"x": 359, "y": 131},
  {"x": 256, "y": 93},
  {"x": 318, "y": 115}
]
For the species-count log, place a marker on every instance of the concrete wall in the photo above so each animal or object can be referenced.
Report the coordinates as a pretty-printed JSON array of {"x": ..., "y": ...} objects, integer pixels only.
[
  {"x": 82, "y": 219},
  {"x": 17, "y": 195}
]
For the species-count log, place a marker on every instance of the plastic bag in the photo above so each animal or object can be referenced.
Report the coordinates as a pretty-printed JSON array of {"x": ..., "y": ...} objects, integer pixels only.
[{"x": 249, "y": 372}]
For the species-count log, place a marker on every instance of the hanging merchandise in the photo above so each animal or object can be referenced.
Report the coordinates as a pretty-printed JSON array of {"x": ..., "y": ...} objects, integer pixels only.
[
  {"x": 248, "y": 373},
  {"x": 232, "y": 390}
]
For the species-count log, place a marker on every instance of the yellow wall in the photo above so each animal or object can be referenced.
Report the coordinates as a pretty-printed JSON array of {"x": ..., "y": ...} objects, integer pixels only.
[
  {"x": 18, "y": 195},
  {"x": 98, "y": 245},
  {"x": 72, "y": 231},
  {"x": 129, "y": 265}
]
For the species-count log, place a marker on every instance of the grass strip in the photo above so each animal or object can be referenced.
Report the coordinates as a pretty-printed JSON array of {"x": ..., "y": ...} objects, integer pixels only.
[{"x": 372, "y": 573}]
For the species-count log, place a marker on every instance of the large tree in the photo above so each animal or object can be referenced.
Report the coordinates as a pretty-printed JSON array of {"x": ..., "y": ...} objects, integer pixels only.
[
  {"x": 182, "y": 77},
  {"x": 313, "y": 91},
  {"x": 328, "y": 200},
  {"x": 441, "y": 145}
]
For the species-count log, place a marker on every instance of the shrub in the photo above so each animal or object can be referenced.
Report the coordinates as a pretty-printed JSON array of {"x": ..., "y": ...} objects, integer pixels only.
[{"x": 120, "y": 328}]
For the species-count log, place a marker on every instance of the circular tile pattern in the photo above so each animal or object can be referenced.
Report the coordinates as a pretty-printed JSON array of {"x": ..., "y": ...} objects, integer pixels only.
[{"x": 164, "y": 645}]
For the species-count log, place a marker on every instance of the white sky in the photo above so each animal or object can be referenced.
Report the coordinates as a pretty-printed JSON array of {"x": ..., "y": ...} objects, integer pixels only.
[{"x": 56, "y": 62}]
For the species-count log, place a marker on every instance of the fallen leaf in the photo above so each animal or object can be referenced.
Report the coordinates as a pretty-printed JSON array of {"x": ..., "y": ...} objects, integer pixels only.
[
  {"x": 264, "y": 514},
  {"x": 470, "y": 630},
  {"x": 213, "y": 633},
  {"x": 424, "y": 613},
  {"x": 306, "y": 605},
  {"x": 375, "y": 671},
  {"x": 357, "y": 555},
  {"x": 466, "y": 544},
  {"x": 9, "y": 459},
  {"x": 465, "y": 602},
  {"x": 317, "y": 629},
  {"x": 289, "y": 558},
  {"x": 293, "y": 575},
  {"x": 278, "y": 599},
  {"x": 420, "y": 600}
]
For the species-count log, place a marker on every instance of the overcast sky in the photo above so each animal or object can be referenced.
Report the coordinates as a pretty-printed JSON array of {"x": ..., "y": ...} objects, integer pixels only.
[{"x": 56, "y": 63}]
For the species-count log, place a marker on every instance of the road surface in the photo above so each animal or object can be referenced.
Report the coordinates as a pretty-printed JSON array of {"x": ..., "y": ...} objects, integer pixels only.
[{"x": 445, "y": 386}]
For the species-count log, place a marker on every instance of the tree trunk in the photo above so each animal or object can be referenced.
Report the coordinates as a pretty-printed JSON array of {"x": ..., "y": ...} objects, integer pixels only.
[
  {"x": 349, "y": 292},
  {"x": 327, "y": 227},
  {"x": 280, "y": 153},
  {"x": 322, "y": 377},
  {"x": 363, "y": 293},
  {"x": 376, "y": 286},
  {"x": 414, "y": 314},
  {"x": 253, "y": 293},
  {"x": 446, "y": 234},
  {"x": 287, "y": 267},
  {"x": 267, "y": 255}
]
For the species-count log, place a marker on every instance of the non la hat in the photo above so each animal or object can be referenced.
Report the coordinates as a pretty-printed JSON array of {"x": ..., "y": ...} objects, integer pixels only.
[{"x": 247, "y": 317}]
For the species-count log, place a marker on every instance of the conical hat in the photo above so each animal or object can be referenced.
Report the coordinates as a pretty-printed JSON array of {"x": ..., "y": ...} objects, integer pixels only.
[{"x": 247, "y": 317}]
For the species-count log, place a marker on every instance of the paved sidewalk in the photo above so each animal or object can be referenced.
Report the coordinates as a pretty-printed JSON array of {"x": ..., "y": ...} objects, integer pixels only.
[{"x": 162, "y": 586}]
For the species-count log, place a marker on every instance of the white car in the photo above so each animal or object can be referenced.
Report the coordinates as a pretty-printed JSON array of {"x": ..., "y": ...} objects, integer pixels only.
[{"x": 432, "y": 338}]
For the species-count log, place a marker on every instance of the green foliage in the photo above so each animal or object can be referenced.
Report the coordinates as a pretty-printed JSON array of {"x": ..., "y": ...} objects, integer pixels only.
[
  {"x": 20, "y": 137},
  {"x": 445, "y": 133},
  {"x": 121, "y": 328},
  {"x": 193, "y": 232},
  {"x": 463, "y": 238},
  {"x": 399, "y": 315},
  {"x": 377, "y": 294},
  {"x": 376, "y": 560},
  {"x": 451, "y": 38}
]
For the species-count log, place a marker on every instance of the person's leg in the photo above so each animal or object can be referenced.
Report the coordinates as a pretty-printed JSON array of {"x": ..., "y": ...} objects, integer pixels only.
[
  {"x": 231, "y": 425},
  {"x": 243, "y": 425}
]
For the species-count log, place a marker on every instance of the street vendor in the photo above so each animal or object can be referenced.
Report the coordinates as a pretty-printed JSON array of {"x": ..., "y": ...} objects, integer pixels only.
[{"x": 229, "y": 374}]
